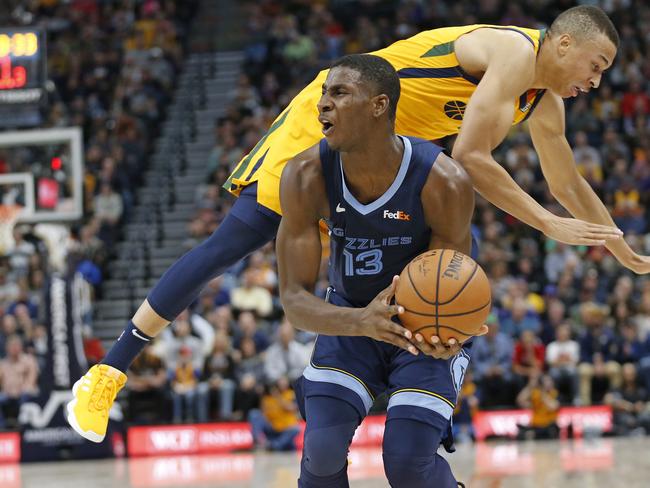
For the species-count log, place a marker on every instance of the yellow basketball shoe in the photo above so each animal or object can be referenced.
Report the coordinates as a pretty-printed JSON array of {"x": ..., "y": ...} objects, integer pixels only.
[{"x": 94, "y": 394}]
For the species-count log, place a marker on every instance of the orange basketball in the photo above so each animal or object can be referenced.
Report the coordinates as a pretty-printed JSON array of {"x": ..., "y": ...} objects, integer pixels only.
[{"x": 444, "y": 293}]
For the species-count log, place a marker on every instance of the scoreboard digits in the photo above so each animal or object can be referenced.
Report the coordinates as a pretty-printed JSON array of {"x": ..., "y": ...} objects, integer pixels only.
[
  {"x": 22, "y": 65},
  {"x": 18, "y": 44}
]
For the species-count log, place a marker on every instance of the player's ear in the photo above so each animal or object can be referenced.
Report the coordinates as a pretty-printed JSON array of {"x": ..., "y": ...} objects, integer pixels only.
[
  {"x": 564, "y": 43},
  {"x": 380, "y": 105}
]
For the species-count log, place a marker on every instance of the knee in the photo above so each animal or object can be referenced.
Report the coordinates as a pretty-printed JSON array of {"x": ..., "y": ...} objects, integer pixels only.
[
  {"x": 325, "y": 452},
  {"x": 418, "y": 472},
  {"x": 404, "y": 471}
]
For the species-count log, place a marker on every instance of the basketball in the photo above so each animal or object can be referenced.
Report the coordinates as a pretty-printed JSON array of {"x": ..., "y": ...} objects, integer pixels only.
[{"x": 444, "y": 293}]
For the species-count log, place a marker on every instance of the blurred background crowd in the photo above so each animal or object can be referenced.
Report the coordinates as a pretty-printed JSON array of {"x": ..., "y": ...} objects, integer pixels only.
[
  {"x": 112, "y": 67},
  {"x": 569, "y": 325}
]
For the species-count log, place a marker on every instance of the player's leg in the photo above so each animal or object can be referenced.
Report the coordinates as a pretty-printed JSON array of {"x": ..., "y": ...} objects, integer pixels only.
[
  {"x": 410, "y": 458},
  {"x": 334, "y": 394},
  {"x": 331, "y": 423},
  {"x": 246, "y": 228},
  {"x": 423, "y": 395}
]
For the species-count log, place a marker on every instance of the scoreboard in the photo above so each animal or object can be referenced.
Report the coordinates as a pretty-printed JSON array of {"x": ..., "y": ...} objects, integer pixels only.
[{"x": 23, "y": 66}]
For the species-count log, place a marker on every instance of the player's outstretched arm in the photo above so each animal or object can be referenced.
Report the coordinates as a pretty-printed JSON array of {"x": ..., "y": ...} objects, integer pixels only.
[
  {"x": 487, "y": 119},
  {"x": 568, "y": 186},
  {"x": 298, "y": 248}
]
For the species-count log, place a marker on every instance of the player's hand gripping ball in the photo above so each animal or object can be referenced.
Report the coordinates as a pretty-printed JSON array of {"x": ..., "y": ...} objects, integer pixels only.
[{"x": 444, "y": 293}]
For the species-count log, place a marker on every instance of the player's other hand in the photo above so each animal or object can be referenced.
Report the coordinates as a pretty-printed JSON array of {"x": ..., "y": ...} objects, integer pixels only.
[
  {"x": 578, "y": 232},
  {"x": 440, "y": 350},
  {"x": 376, "y": 320}
]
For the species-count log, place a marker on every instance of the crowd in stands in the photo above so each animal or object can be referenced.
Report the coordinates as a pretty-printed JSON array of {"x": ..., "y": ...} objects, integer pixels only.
[
  {"x": 569, "y": 325},
  {"x": 113, "y": 66}
]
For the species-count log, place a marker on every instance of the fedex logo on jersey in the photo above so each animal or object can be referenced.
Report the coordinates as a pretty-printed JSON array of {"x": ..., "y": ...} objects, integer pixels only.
[{"x": 399, "y": 215}]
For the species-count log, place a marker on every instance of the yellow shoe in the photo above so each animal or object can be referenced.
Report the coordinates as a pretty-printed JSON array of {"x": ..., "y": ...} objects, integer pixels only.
[{"x": 94, "y": 394}]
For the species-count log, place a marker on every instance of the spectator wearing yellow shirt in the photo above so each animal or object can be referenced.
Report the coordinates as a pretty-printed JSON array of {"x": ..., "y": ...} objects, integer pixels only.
[
  {"x": 628, "y": 211},
  {"x": 275, "y": 424},
  {"x": 540, "y": 396},
  {"x": 184, "y": 387}
]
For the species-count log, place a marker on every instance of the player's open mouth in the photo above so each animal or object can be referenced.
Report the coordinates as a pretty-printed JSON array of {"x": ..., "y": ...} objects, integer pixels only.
[
  {"x": 328, "y": 128},
  {"x": 575, "y": 90}
]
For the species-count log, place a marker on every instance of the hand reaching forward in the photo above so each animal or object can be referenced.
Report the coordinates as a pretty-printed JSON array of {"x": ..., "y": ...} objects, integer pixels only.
[{"x": 578, "y": 232}]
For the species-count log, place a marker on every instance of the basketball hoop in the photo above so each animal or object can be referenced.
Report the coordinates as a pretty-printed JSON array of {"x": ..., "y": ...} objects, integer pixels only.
[{"x": 8, "y": 216}]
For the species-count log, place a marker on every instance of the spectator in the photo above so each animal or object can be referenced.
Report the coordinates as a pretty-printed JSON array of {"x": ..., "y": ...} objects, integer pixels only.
[
  {"x": 247, "y": 396},
  {"x": 597, "y": 340},
  {"x": 630, "y": 404},
  {"x": 18, "y": 379},
  {"x": 528, "y": 359},
  {"x": 629, "y": 348},
  {"x": 583, "y": 151},
  {"x": 519, "y": 319},
  {"x": 286, "y": 357},
  {"x": 562, "y": 357},
  {"x": 559, "y": 257},
  {"x": 146, "y": 389},
  {"x": 554, "y": 317},
  {"x": 218, "y": 379},
  {"x": 108, "y": 211},
  {"x": 275, "y": 426},
  {"x": 613, "y": 149},
  {"x": 251, "y": 362},
  {"x": 184, "y": 387},
  {"x": 635, "y": 100},
  {"x": 540, "y": 396},
  {"x": 628, "y": 212},
  {"x": 492, "y": 366},
  {"x": 251, "y": 297},
  {"x": 183, "y": 338},
  {"x": 247, "y": 327}
]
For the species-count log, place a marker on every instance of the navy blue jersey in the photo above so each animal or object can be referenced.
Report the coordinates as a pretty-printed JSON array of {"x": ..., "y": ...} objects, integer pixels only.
[{"x": 373, "y": 242}]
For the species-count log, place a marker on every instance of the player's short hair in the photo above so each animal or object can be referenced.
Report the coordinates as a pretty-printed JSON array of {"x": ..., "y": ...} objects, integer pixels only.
[
  {"x": 583, "y": 22},
  {"x": 377, "y": 71}
]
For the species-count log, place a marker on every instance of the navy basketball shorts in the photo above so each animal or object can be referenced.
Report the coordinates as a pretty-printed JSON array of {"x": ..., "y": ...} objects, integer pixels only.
[{"x": 358, "y": 369}]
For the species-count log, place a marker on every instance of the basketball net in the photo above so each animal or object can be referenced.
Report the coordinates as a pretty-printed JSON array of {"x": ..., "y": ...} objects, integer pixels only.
[{"x": 8, "y": 216}]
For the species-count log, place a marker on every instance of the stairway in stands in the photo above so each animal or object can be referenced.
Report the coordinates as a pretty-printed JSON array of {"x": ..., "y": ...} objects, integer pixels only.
[
  {"x": 154, "y": 235},
  {"x": 153, "y": 238}
]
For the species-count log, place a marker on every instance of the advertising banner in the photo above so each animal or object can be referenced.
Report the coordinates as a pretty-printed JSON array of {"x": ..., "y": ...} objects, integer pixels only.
[{"x": 45, "y": 433}]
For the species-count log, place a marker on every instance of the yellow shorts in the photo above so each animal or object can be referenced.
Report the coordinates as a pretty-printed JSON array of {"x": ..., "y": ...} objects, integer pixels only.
[{"x": 295, "y": 130}]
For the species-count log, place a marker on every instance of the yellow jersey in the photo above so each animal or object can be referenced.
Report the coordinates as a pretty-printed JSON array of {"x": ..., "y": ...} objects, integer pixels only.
[
  {"x": 434, "y": 93},
  {"x": 542, "y": 416},
  {"x": 279, "y": 417}
]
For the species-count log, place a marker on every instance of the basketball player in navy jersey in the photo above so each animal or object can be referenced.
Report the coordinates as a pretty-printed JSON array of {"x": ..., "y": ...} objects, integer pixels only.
[{"x": 386, "y": 198}]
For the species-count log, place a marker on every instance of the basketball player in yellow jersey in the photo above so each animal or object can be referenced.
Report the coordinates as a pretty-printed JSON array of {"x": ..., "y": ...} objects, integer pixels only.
[
  {"x": 482, "y": 78},
  {"x": 475, "y": 81}
]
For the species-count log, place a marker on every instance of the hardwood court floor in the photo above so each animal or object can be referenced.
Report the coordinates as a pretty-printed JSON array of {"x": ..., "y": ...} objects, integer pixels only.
[{"x": 601, "y": 463}]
